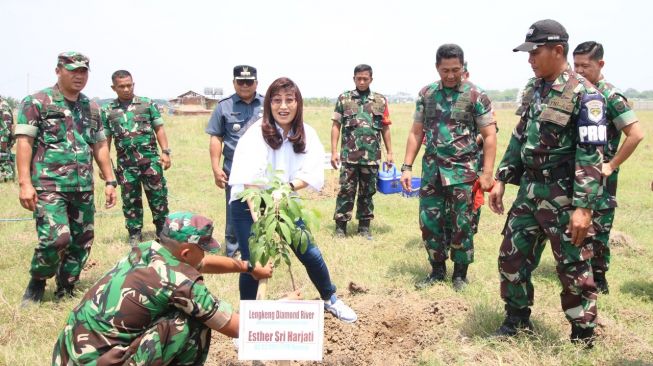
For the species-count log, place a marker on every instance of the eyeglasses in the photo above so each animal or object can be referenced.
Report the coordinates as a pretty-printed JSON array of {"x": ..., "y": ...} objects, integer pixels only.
[
  {"x": 279, "y": 101},
  {"x": 248, "y": 82}
]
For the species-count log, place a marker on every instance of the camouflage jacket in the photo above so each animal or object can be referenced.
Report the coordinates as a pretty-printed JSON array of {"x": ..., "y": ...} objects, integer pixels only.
[
  {"x": 362, "y": 119},
  {"x": 619, "y": 116},
  {"x": 6, "y": 124},
  {"x": 133, "y": 129},
  {"x": 144, "y": 286},
  {"x": 451, "y": 119},
  {"x": 62, "y": 154},
  {"x": 546, "y": 137}
]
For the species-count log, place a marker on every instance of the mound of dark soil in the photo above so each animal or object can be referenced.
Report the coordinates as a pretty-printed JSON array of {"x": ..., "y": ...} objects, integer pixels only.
[{"x": 391, "y": 329}]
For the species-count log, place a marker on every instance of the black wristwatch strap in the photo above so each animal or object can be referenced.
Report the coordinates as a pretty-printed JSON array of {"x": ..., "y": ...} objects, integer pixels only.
[
  {"x": 112, "y": 183},
  {"x": 250, "y": 267}
]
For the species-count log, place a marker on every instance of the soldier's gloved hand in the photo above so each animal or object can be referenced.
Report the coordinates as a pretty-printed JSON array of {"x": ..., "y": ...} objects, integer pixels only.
[
  {"x": 110, "y": 196},
  {"x": 406, "y": 178},
  {"x": 165, "y": 161},
  {"x": 579, "y": 225},
  {"x": 260, "y": 273},
  {"x": 220, "y": 178},
  {"x": 496, "y": 197},
  {"x": 27, "y": 197},
  {"x": 335, "y": 160}
]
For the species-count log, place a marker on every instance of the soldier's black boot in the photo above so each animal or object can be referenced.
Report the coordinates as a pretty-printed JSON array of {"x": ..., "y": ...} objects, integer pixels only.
[
  {"x": 364, "y": 229},
  {"x": 601, "y": 283},
  {"x": 516, "y": 320},
  {"x": 34, "y": 292},
  {"x": 459, "y": 277},
  {"x": 159, "y": 227},
  {"x": 341, "y": 229},
  {"x": 135, "y": 237},
  {"x": 438, "y": 273},
  {"x": 64, "y": 289},
  {"x": 582, "y": 336}
]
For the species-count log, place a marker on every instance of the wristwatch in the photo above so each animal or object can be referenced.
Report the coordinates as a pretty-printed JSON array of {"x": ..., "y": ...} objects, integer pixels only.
[
  {"x": 406, "y": 167},
  {"x": 250, "y": 267},
  {"x": 292, "y": 186},
  {"x": 112, "y": 183},
  {"x": 167, "y": 151}
]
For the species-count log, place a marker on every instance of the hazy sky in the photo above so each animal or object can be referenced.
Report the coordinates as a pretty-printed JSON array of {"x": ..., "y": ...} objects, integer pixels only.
[{"x": 173, "y": 46}]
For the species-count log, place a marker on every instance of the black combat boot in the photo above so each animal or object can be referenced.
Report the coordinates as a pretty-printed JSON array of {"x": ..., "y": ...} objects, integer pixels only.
[
  {"x": 516, "y": 320},
  {"x": 341, "y": 229},
  {"x": 63, "y": 289},
  {"x": 159, "y": 227},
  {"x": 135, "y": 237},
  {"x": 582, "y": 336},
  {"x": 438, "y": 273},
  {"x": 34, "y": 292},
  {"x": 601, "y": 283},
  {"x": 364, "y": 229},
  {"x": 459, "y": 277}
]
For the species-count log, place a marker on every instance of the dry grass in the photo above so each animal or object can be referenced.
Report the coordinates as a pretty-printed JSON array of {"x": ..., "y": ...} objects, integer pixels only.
[{"x": 394, "y": 261}]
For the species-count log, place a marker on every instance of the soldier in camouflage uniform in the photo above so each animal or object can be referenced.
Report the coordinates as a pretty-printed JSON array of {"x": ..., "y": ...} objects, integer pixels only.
[
  {"x": 450, "y": 112},
  {"x": 554, "y": 155},
  {"x": 588, "y": 61},
  {"x": 153, "y": 307},
  {"x": 59, "y": 132},
  {"x": 6, "y": 142},
  {"x": 136, "y": 125},
  {"x": 363, "y": 117}
]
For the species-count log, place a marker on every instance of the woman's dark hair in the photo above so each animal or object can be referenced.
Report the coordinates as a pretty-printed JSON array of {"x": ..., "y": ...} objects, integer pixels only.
[{"x": 270, "y": 134}]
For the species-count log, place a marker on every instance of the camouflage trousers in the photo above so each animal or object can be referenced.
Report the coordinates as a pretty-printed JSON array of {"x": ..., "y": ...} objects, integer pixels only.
[
  {"x": 602, "y": 223},
  {"x": 64, "y": 225},
  {"x": 540, "y": 212},
  {"x": 445, "y": 219},
  {"x": 476, "y": 217},
  {"x": 7, "y": 170},
  {"x": 172, "y": 340},
  {"x": 352, "y": 177},
  {"x": 150, "y": 177}
]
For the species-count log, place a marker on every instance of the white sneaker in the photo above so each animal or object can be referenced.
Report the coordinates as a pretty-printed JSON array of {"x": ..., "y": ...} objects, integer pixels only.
[{"x": 338, "y": 308}]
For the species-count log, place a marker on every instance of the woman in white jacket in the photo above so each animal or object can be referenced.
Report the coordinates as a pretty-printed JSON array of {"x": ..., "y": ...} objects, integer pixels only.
[{"x": 282, "y": 140}]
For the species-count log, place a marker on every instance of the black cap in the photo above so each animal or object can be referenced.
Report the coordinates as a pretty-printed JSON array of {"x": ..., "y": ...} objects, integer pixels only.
[
  {"x": 244, "y": 72},
  {"x": 541, "y": 32}
]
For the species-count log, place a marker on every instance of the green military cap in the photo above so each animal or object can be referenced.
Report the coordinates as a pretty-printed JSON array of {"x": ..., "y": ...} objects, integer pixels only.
[
  {"x": 186, "y": 227},
  {"x": 73, "y": 60}
]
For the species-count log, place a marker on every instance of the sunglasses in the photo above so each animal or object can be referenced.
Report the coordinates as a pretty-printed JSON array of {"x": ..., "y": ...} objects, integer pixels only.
[{"x": 248, "y": 82}]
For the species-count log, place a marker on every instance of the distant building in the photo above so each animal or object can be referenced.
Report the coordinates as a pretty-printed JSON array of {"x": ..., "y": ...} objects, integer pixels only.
[
  {"x": 400, "y": 97},
  {"x": 191, "y": 103}
]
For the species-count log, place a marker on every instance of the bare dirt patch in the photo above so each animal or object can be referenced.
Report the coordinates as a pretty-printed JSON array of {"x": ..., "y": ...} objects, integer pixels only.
[
  {"x": 392, "y": 329},
  {"x": 330, "y": 189}
]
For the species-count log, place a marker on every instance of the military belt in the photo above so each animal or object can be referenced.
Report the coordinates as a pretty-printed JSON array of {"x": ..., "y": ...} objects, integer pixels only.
[{"x": 550, "y": 175}]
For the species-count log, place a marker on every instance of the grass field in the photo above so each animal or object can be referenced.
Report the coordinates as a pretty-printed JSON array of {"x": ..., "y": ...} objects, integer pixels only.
[{"x": 394, "y": 260}]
